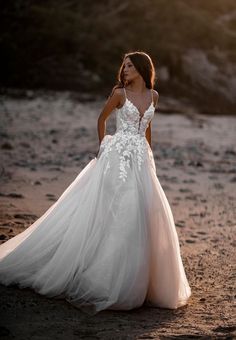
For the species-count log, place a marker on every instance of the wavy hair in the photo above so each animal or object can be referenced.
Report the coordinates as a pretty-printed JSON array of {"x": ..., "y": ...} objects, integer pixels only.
[{"x": 143, "y": 64}]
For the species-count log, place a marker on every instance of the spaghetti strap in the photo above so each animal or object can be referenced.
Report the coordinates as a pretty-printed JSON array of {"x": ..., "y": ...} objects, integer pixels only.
[
  {"x": 152, "y": 96},
  {"x": 125, "y": 92}
]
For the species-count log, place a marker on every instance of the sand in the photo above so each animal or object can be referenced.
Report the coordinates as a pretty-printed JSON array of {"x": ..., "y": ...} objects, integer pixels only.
[{"x": 46, "y": 140}]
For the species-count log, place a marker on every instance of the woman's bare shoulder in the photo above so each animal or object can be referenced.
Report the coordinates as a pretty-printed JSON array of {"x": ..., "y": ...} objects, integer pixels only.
[
  {"x": 155, "y": 97},
  {"x": 117, "y": 91},
  {"x": 155, "y": 94}
]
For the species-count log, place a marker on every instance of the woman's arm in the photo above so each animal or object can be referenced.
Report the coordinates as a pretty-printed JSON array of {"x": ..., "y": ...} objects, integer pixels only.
[
  {"x": 149, "y": 135},
  {"x": 149, "y": 131},
  {"x": 155, "y": 98},
  {"x": 113, "y": 101}
]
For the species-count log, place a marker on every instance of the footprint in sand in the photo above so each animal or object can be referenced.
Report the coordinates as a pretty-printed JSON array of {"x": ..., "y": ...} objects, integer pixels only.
[
  {"x": 12, "y": 195},
  {"x": 180, "y": 224},
  {"x": 189, "y": 181},
  {"x": 194, "y": 236},
  {"x": 191, "y": 198},
  {"x": 201, "y": 232},
  {"x": 177, "y": 198},
  {"x": 25, "y": 216},
  {"x": 225, "y": 329},
  {"x": 218, "y": 186},
  {"x": 190, "y": 241},
  {"x": 51, "y": 197},
  {"x": 185, "y": 190}
]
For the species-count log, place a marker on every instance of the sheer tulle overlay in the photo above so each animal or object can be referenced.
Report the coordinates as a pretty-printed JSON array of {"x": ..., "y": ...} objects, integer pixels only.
[{"x": 109, "y": 241}]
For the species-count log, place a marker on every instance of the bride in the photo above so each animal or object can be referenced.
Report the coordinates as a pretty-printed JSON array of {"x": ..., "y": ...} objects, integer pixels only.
[{"x": 109, "y": 241}]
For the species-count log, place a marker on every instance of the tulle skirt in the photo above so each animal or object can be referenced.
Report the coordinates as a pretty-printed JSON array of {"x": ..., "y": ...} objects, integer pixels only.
[{"x": 104, "y": 244}]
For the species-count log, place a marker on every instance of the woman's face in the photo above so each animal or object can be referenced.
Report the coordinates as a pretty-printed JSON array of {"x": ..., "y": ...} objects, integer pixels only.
[{"x": 129, "y": 71}]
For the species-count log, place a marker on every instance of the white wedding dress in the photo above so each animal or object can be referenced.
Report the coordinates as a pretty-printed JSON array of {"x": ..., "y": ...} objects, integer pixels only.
[{"x": 109, "y": 241}]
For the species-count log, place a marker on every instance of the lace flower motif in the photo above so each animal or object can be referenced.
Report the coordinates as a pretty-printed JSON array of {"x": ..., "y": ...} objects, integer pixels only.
[
  {"x": 129, "y": 141},
  {"x": 129, "y": 147}
]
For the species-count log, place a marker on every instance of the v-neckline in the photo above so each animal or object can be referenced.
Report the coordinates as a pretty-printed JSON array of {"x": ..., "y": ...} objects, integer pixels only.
[{"x": 139, "y": 113}]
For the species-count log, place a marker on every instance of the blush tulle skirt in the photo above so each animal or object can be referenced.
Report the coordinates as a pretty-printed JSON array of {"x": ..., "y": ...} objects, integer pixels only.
[{"x": 105, "y": 243}]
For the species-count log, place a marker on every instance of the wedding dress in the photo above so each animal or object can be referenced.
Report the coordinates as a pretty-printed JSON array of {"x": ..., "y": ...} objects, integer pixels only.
[{"x": 109, "y": 241}]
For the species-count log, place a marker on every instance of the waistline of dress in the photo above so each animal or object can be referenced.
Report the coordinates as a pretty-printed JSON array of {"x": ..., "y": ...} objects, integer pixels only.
[{"x": 130, "y": 134}]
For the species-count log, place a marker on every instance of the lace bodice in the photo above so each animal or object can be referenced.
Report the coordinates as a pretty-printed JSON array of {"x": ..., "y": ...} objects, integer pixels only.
[
  {"x": 129, "y": 139},
  {"x": 129, "y": 119}
]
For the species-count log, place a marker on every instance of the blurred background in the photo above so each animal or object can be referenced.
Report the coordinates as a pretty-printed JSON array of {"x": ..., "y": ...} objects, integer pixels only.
[{"x": 79, "y": 45}]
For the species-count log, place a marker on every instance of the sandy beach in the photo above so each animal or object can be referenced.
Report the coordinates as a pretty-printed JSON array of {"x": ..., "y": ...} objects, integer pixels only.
[{"x": 46, "y": 140}]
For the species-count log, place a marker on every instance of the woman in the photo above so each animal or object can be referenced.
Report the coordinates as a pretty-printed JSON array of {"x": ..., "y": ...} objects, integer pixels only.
[{"x": 109, "y": 241}]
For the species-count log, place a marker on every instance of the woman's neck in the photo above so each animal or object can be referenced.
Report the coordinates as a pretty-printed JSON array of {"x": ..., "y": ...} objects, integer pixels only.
[{"x": 137, "y": 86}]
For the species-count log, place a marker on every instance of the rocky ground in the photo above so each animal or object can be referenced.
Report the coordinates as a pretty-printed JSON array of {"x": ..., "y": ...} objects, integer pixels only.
[{"x": 46, "y": 140}]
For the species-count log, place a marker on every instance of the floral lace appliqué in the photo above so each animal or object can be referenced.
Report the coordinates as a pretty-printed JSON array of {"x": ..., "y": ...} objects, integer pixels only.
[
  {"x": 129, "y": 148},
  {"x": 129, "y": 141}
]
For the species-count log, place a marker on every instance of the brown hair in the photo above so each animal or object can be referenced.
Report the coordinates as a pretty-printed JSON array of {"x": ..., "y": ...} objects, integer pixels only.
[{"x": 143, "y": 64}]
